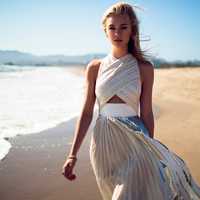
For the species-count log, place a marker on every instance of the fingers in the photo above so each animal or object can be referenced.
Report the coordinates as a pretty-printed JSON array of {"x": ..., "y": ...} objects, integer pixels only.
[
  {"x": 69, "y": 176},
  {"x": 67, "y": 171},
  {"x": 72, "y": 177}
]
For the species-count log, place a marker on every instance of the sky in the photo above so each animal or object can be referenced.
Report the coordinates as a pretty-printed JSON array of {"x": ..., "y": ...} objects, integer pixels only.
[{"x": 74, "y": 27}]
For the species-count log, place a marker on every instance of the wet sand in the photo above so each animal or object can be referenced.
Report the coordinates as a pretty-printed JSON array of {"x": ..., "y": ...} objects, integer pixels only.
[{"x": 32, "y": 169}]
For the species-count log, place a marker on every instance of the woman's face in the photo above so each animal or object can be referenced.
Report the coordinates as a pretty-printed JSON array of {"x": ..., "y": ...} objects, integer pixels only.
[{"x": 118, "y": 30}]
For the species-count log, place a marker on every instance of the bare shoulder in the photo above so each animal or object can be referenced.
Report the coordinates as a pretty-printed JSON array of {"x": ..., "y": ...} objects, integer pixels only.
[
  {"x": 92, "y": 69},
  {"x": 146, "y": 70}
]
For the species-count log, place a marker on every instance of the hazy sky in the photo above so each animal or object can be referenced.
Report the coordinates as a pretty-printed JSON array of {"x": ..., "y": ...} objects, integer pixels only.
[{"x": 74, "y": 27}]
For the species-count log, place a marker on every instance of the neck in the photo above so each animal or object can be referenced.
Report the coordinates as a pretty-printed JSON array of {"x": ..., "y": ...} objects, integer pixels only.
[{"x": 117, "y": 53}]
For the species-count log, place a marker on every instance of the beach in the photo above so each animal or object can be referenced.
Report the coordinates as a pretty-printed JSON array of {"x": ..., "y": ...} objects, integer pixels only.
[{"x": 32, "y": 169}]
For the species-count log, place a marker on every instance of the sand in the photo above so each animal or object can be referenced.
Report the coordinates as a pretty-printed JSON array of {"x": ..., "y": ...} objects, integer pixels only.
[
  {"x": 177, "y": 94},
  {"x": 32, "y": 169}
]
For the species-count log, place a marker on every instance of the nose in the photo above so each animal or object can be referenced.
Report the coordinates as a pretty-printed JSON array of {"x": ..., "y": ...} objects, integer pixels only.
[{"x": 117, "y": 32}]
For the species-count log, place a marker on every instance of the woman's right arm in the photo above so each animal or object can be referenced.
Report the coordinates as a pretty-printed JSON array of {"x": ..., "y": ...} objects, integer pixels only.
[
  {"x": 88, "y": 106},
  {"x": 85, "y": 118}
]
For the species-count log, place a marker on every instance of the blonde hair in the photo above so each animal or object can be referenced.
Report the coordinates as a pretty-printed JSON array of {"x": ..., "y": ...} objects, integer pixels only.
[{"x": 122, "y": 8}]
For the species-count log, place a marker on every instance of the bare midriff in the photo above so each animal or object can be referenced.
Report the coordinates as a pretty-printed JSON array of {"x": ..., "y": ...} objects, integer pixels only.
[{"x": 115, "y": 99}]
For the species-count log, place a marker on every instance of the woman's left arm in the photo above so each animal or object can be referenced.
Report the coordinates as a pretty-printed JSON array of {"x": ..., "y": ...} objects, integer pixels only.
[{"x": 146, "y": 111}]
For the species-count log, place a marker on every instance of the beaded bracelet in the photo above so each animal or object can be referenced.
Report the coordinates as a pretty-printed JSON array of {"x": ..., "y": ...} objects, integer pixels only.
[{"x": 72, "y": 157}]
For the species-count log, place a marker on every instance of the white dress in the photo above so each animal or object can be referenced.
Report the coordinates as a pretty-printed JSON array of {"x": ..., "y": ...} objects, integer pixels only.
[{"x": 127, "y": 163}]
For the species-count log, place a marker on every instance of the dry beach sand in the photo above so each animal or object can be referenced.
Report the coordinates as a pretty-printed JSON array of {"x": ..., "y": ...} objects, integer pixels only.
[{"x": 32, "y": 169}]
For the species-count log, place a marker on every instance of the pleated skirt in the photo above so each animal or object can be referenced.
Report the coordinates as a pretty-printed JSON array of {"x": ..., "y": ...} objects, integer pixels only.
[{"x": 129, "y": 165}]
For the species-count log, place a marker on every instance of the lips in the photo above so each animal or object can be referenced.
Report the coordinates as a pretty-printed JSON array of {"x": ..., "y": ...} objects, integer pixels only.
[{"x": 118, "y": 40}]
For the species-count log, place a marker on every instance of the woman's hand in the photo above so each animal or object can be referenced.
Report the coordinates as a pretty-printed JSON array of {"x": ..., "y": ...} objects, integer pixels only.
[{"x": 67, "y": 169}]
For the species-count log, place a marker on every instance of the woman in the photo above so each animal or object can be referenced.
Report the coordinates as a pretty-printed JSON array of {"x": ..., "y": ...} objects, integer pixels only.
[{"x": 127, "y": 161}]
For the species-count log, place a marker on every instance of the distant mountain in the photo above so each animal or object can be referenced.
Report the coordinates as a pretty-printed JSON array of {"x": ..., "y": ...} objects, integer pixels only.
[
  {"x": 21, "y": 58},
  {"x": 15, "y": 57}
]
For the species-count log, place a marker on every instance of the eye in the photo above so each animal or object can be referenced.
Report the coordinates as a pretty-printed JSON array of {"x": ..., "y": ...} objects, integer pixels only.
[
  {"x": 124, "y": 27},
  {"x": 111, "y": 28}
]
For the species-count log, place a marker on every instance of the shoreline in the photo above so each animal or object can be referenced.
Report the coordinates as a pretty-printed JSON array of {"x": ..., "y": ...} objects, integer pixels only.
[{"x": 33, "y": 167}]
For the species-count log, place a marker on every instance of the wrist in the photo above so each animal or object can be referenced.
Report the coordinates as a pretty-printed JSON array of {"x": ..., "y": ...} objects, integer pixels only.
[{"x": 71, "y": 156}]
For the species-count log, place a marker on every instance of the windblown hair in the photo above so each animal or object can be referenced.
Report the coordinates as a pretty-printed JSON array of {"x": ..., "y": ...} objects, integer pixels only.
[{"x": 122, "y": 8}]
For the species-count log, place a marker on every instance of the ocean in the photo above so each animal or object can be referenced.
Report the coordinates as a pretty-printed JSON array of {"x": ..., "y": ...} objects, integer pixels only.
[{"x": 34, "y": 98}]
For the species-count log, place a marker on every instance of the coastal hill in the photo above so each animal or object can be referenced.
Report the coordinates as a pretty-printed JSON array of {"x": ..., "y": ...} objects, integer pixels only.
[
  {"x": 14, "y": 57},
  {"x": 21, "y": 58}
]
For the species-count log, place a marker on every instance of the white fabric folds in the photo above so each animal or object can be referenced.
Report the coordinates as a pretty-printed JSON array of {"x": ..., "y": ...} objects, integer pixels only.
[
  {"x": 119, "y": 77},
  {"x": 128, "y": 164}
]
